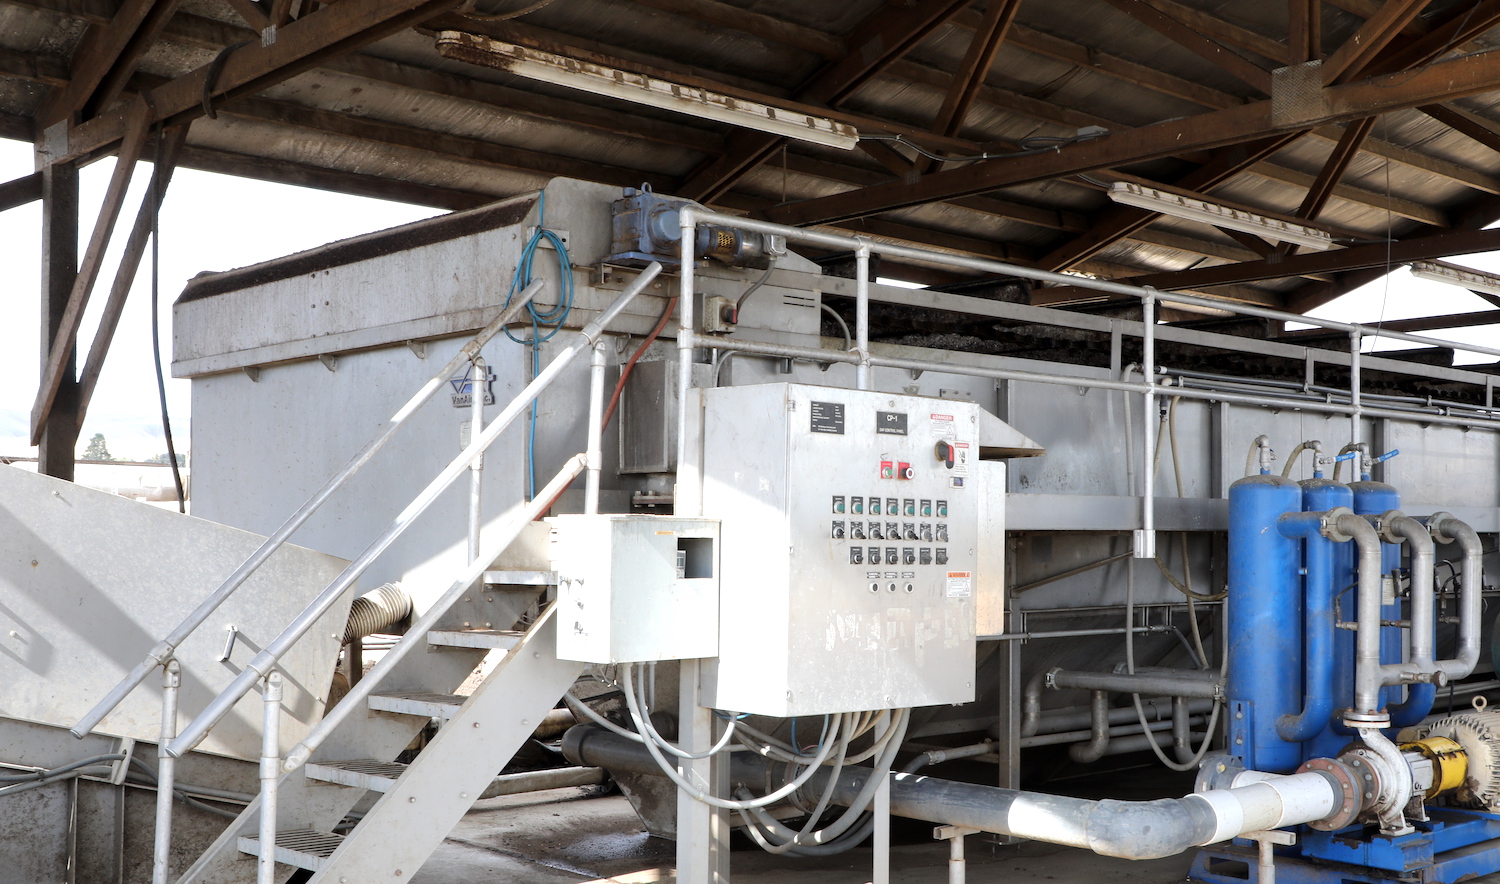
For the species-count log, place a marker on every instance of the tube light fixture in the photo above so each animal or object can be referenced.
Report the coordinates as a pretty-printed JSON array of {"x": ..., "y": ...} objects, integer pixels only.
[
  {"x": 1187, "y": 208},
  {"x": 1473, "y": 280},
  {"x": 599, "y": 79}
]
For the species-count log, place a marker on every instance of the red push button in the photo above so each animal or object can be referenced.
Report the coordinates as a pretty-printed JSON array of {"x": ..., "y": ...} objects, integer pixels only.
[{"x": 904, "y": 471}]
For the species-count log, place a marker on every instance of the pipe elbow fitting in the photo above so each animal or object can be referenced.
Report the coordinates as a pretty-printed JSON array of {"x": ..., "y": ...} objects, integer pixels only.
[{"x": 1148, "y": 829}]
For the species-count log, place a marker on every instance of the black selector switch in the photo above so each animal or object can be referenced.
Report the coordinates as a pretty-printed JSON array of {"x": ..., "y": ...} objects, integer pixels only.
[
  {"x": 890, "y": 555},
  {"x": 838, "y": 530},
  {"x": 942, "y": 533},
  {"x": 908, "y": 556},
  {"x": 909, "y": 531},
  {"x": 926, "y": 533},
  {"x": 857, "y": 530},
  {"x": 874, "y": 555},
  {"x": 926, "y": 556},
  {"x": 942, "y": 556},
  {"x": 857, "y": 555},
  {"x": 875, "y": 533},
  {"x": 944, "y": 452}
]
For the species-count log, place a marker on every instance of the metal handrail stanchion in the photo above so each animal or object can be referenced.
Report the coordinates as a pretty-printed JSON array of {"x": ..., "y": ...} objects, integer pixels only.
[
  {"x": 168, "y": 645},
  {"x": 166, "y": 773}
]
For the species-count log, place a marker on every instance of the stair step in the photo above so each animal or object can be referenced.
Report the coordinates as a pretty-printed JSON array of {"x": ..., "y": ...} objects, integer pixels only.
[
  {"x": 304, "y": 848},
  {"x": 520, "y": 578},
  {"x": 375, "y": 776},
  {"x": 502, "y": 639},
  {"x": 424, "y": 703}
]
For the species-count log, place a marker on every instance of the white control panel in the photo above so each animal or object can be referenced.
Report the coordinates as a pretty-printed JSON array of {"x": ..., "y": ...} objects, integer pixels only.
[{"x": 849, "y": 531}]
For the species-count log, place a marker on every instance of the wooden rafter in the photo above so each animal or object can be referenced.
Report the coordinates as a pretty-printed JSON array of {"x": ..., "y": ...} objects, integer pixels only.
[
  {"x": 93, "y": 59},
  {"x": 1365, "y": 257},
  {"x": 1117, "y": 222},
  {"x": 60, "y": 351},
  {"x": 303, "y": 44},
  {"x": 998, "y": 16},
  {"x": 20, "y": 191},
  {"x": 1334, "y": 168},
  {"x": 1304, "y": 30},
  {"x": 1195, "y": 41},
  {"x": 1365, "y": 44},
  {"x": 164, "y": 163},
  {"x": 874, "y": 44},
  {"x": 1463, "y": 23},
  {"x": 1443, "y": 81},
  {"x": 1465, "y": 123}
]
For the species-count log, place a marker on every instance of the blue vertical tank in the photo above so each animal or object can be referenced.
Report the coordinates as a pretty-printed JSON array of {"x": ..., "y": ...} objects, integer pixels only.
[
  {"x": 1265, "y": 622},
  {"x": 1334, "y": 675}
]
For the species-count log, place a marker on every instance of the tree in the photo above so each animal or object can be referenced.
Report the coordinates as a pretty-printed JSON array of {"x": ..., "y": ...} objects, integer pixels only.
[{"x": 98, "y": 449}]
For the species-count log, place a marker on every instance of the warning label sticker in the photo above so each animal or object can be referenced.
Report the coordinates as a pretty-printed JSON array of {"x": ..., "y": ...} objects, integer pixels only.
[
  {"x": 942, "y": 426},
  {"x": 960, "y": 584}
]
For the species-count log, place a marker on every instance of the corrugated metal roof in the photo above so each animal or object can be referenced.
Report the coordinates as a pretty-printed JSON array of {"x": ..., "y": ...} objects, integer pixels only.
[{"x": 397, "y": 111}]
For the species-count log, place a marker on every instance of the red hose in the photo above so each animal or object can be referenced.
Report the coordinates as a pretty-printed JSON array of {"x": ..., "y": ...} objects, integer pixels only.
[{"x": 614, "y": 400}]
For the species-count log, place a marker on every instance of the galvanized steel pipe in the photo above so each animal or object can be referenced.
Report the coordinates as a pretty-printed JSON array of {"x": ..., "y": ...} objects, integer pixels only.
[
  {"x": 1447, "y": 529},
  {"x": 1343, "y": 527},
  {"x": 1127, "y": 829}
]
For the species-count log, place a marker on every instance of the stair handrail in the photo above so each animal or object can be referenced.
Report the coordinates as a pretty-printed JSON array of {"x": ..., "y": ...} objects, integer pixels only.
[
  {"x": 164, "y": 650},
  {"x": 265, "y": 661},
  {"x": 417, "y": 633}
]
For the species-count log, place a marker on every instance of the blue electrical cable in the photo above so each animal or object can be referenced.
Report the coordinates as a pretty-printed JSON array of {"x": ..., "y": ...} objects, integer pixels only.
[{"x": 544, "y": 323}]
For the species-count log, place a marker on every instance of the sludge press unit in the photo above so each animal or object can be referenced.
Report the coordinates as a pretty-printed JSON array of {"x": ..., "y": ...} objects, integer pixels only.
[{"x": 797, "y": 550}]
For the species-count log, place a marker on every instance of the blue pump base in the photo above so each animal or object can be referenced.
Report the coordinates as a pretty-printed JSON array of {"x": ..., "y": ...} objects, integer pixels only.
[{"x": 1454, "y": 845}]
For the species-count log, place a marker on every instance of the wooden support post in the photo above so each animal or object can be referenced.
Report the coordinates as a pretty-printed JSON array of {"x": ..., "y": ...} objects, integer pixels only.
[
  {"x": 59, "y": 433},
  {"x": 164, "y": 163}
]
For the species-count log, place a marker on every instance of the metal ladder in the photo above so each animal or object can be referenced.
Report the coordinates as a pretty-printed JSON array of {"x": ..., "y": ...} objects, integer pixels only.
[{"x": 423, "y": 801}]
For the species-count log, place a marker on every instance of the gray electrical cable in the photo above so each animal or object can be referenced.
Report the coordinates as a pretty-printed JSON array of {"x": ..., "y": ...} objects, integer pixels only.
[{"x": 697, "y": 793}]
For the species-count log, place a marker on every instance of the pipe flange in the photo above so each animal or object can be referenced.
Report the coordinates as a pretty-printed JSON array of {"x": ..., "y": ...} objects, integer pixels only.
[
  {"x": 1355, "y": 720},
  {"x": 1349, "y": 791},
  {"x": 1385, "y": 526},
  {"x": 1371, "y": 788},
  {"x": 1328, "y": 524},
  {"x": 1435, "y": 524}
]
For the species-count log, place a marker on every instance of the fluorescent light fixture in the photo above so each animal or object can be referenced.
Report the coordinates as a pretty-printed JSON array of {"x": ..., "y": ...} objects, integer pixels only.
[
  {"x": 1473, "y": 280},
  {"x": 1187, "y": 208},
  {"x": 560, "y": 70}
]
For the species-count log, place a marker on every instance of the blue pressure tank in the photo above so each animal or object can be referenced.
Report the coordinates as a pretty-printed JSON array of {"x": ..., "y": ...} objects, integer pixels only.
[
  {"x": 1265, "y": 622},
  {"x": 1332, "y": 675}
]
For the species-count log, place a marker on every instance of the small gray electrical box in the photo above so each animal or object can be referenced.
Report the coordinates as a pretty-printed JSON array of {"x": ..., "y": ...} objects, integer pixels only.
[{"x": 632, "y": 589}]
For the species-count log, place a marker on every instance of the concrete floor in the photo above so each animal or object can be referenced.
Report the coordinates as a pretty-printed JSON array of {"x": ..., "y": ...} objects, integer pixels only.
[{"x": 573, "y": 835}]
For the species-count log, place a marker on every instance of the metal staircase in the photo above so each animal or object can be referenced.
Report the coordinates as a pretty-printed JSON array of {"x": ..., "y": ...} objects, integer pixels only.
[
  {"x": 423, "y": 801},
  {"x": 309, "y": 790}
]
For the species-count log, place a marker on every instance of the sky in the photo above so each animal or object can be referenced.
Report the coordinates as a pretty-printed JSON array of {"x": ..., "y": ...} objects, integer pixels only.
[
  {"x": 208, "y": 222},
  {"x": 217, "y": 222}
]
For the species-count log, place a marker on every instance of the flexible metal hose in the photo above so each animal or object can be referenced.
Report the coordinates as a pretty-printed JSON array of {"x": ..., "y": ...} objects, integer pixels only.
[{"x": 377, "y": 610}]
